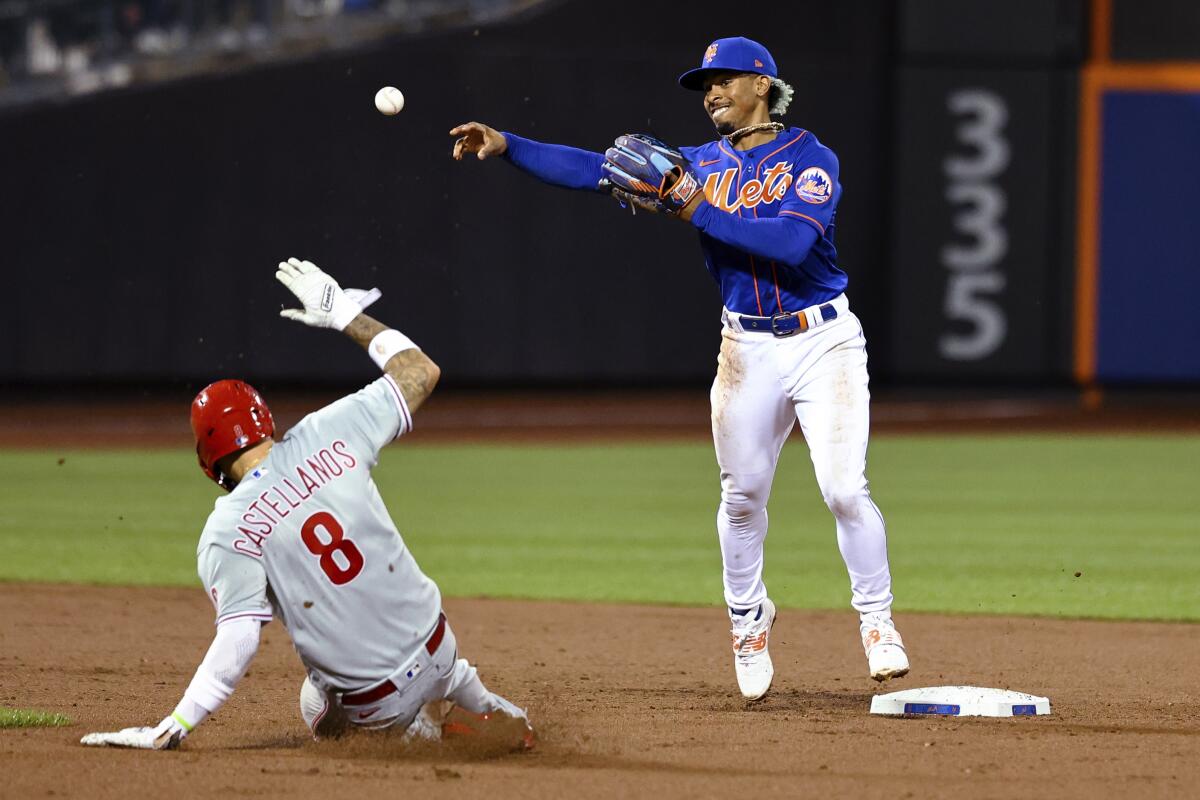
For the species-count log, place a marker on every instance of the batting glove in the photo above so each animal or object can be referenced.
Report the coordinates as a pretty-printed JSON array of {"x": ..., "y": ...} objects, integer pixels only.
[
  {"x": 326, "y": 305},
  {"x": 166, "y": 736}
]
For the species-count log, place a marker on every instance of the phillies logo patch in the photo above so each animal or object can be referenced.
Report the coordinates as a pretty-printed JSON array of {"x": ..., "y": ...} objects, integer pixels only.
[
  {"x": 710, "y": 53},
  {"x": 814, "y": 186}
]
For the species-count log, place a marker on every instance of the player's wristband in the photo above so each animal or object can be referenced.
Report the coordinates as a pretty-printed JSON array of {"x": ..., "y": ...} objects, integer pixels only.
[
  {"x": 387, "y": 344},
  {"x": 189, "y": 714}
]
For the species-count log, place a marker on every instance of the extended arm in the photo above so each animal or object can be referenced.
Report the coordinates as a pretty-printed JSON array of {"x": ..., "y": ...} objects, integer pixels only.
[
  {"x": 555, "y": 164},
  {"x": 223, "y": 666},
  {"x": 327, "y": 306}
]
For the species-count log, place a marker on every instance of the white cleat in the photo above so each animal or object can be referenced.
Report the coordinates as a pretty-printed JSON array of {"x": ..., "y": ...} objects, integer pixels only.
[
  {"x": 751, "y": 658},
  {"x": 886, "y": 657}
]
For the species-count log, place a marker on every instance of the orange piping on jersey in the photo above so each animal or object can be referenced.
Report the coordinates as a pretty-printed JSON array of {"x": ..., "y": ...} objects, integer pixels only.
[
  {"x": 1101, "y": 30},
  {"x": 774, "y": 274},
  {"x": 776, "y": 150},
  {"x": 757, "y": 170},
  {"x": 754, "y": 275},
  {"x": 753, "y": 269},
  {"x": 721, "y": 147},
  {"x": 820, "y": 227}
]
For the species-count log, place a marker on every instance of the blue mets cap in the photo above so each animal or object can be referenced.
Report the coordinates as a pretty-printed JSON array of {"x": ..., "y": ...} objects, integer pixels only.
[{"x": 735, "y": 54}]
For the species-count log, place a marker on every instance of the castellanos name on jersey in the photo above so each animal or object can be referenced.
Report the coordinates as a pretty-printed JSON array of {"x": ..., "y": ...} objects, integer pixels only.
[{"x": 307, "y": 539}]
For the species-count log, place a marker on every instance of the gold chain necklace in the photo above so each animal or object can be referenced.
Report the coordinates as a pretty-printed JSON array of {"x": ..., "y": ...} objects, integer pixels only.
[{"x": 774, "y": 127}]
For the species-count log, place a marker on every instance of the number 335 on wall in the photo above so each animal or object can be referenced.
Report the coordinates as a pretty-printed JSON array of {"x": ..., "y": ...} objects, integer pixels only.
[{"x": 973, "y": 261}]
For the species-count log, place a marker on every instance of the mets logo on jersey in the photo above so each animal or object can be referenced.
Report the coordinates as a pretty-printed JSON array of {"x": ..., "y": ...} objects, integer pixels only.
[
  {"x": 813, "y": 186},
  {"x": 721, "y": 189},
  {"x": 710, "y": 53}
]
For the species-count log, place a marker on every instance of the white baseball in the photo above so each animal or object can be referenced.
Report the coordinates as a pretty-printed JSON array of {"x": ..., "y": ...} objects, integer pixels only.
[{"x": 389, "y": 100}]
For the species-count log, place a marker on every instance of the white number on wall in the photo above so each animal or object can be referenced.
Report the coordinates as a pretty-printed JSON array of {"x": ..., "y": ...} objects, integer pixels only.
[{"x": 973, "y": 260}]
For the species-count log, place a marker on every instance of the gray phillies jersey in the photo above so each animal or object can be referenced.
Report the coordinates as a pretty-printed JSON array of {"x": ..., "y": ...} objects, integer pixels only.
[{"x": 305, "y": 537}]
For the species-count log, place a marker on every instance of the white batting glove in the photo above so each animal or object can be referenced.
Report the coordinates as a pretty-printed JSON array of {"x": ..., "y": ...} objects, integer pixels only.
[
  {"x": 364, "y": 297},
  {"x": 325, "y": 303},
  {"x": 166, "y": 736}
]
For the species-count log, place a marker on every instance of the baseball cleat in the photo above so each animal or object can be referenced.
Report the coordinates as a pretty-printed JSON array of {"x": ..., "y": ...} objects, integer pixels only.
[
  {"x": 428, "y": 724},
  {"x": 497, "y": 729},
  {"x": 886, "y": 657},
  {"x": 751, "y": 658}
]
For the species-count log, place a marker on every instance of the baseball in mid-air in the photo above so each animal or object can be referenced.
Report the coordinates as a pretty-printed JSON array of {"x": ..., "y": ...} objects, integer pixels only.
[{"x": 389, "y": 100}]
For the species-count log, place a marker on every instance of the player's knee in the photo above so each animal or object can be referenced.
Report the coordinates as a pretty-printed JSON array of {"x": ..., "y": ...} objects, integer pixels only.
[
  {"x": 321, "y": 714},
  {"x": 846, "y": 501},
  {"x": 740, "y": 501},
  {"x": 314, "y": 705}
]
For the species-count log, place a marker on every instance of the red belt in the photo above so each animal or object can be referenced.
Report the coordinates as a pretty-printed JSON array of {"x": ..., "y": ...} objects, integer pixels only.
[{"x": 387, "y": 687}]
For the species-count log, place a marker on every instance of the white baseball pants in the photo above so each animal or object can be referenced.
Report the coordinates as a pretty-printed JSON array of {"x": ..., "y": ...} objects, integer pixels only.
[
  {"x": 441, "y": 676},
  {"x": 765, "y": 384}
]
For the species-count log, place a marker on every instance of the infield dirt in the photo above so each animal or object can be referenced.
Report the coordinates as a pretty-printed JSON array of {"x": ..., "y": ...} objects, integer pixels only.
[{"x": 629, "y": 701}]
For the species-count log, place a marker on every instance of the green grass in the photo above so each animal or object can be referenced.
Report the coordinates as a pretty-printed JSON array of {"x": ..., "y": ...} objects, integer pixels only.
[
  {"x": 28, "y": 718},
  {"x": 975, "y": 524}
]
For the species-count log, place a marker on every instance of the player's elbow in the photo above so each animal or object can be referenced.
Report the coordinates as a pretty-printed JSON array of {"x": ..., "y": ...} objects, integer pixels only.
[
  {"x": 792, "y": 256},
  {"x": 435, "y": 373},
  {"x": 416, "y": 374},
  {"x": 417, "y": 390},
  {"x": 795, "y": 256},
  {"x": 797, "y": 244}
]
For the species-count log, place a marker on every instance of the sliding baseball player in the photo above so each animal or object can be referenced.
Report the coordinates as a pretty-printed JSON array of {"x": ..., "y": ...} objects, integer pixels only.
[{"x": 303, "y": 536}]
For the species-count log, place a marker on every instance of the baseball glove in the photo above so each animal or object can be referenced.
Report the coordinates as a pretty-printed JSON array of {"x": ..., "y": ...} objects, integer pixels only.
[{"x": 648, "y": 172}]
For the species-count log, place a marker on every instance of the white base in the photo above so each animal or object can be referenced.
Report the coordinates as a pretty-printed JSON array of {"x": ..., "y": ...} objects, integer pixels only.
[{"x": 960, "y": 701}]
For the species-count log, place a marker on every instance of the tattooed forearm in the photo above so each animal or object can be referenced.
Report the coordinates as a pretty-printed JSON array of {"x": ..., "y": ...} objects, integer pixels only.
[
  {"x": 363, "y": 329},
  {"x": 415, "y": 374},
  {"x": 413, "y": 371}
]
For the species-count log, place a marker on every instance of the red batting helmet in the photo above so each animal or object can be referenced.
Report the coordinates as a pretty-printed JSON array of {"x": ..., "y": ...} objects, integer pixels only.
[{"x": 228, "y": 416}]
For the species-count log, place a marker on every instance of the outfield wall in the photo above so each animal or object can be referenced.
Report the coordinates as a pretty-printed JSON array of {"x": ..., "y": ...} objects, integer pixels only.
[
  {"x": 1139, "y": 191},
  {"x": 150, "y": 221},
  {"x": 140, "y": 228}
]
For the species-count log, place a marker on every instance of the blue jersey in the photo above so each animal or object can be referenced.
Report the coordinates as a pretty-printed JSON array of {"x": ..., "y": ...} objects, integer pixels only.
[{"x": 767, "y": 222}]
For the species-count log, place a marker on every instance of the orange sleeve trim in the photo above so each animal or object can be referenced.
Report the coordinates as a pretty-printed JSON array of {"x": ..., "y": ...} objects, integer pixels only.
[{"x": 820, "y": 227}]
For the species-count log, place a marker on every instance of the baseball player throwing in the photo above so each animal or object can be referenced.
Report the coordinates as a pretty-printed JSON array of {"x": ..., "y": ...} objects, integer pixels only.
[
  {"x": 303, "y": 536},
  {"x": 763, "y": 199}
]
